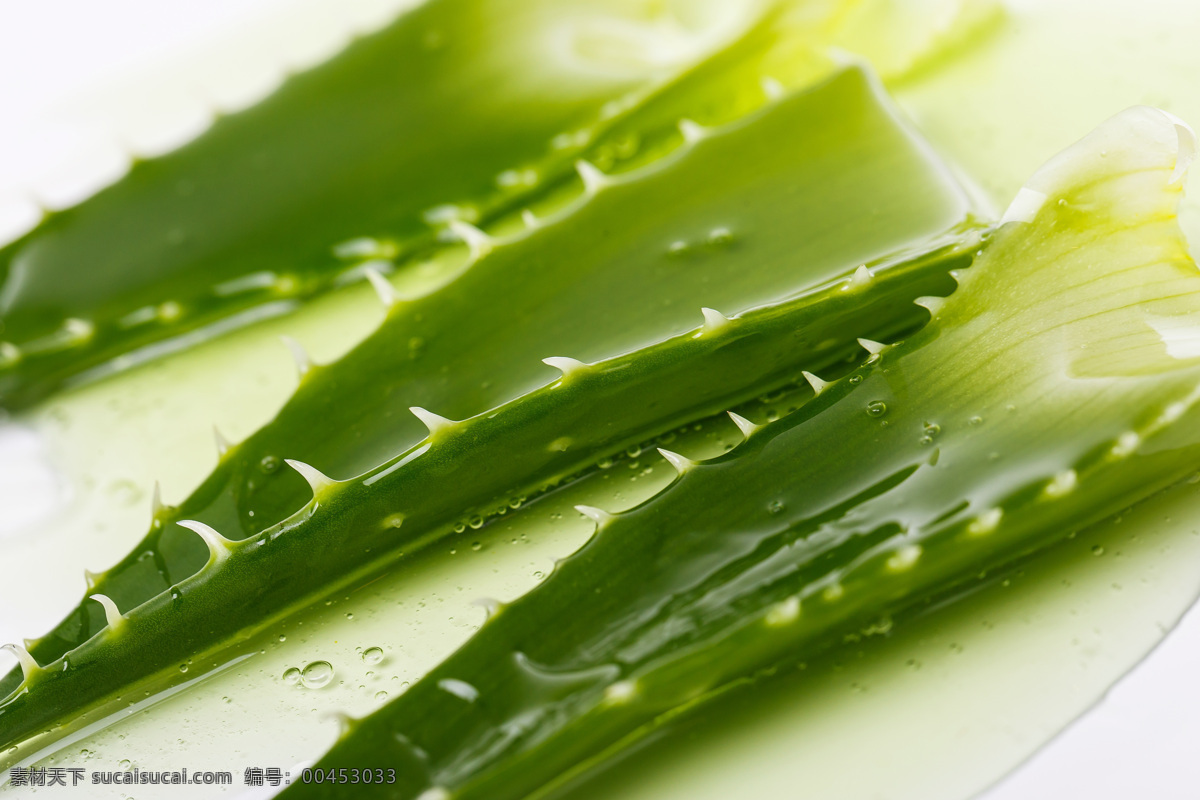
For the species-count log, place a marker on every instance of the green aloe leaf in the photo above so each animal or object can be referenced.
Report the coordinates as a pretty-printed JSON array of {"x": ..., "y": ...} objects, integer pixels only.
[
  {"x": 764, "y": 205},
  {"x": 462, "y": 110},
  {"x": 898, "y": 483}
]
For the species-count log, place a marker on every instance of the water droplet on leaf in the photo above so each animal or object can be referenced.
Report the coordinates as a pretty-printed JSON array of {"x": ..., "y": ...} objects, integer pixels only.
[{"x": 317, "y": 674}]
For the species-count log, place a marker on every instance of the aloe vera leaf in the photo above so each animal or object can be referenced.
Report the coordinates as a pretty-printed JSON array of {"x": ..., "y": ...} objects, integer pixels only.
[
  {"x": 898, "y": 483},
  {"x": 353, "y": 161},
  {"x": 514, "y": 451},
  {"x": 749, "y": 181},
  {"x": 401, "y": 506}
]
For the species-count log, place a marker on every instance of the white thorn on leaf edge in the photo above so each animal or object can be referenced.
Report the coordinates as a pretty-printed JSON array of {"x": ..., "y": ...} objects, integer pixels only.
[
  {"x": 596, "y": 515},
  {"x": 620, "y": 692},
  {"x": 316, "y": 480},
  {"x": 567, "y": 366},
  {"x": 772, "y": 87},
  {"x": 862, "y": 276},
  {"x": 1061, "y": 484},
  {"x": 222, "y": 442},
  {"x": 299, "y": 355},
  {"x": 156, "y": 503},
  {"x": 932, "y": 304},
  {"x": 218, "y": 545},
  {"x": 29, "y": 666},
  {"x": 872, "y": 347},
  {"x": 692, "y": 131},
  {"x": 904, "y": 558},
  {"x": 345, "y": 722},
  {"x": 112, "y": 614},
  {"x": 382, "y": 287},
  {"x": 986, "y": 522},
  {"x": 816, "y": 383},
  {"x": 432, "y": 421},
  {"x": 747, "y": 427},
  {"x": 681, "y": 463},
  {"x": 784, "y": 612},
  {"x": 478, "y": 242},
  {"x": 713, "y": 320},
  {"x": 593, "y": 179},
  {"x": 490, "y": 605}
]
